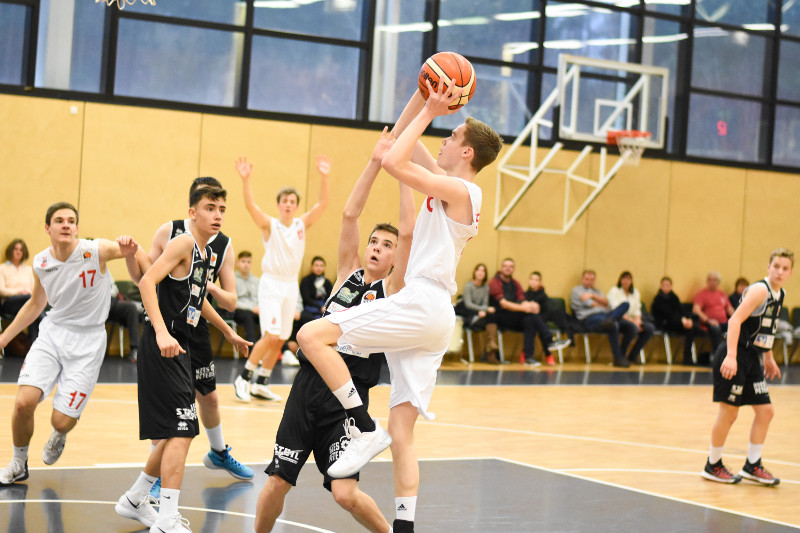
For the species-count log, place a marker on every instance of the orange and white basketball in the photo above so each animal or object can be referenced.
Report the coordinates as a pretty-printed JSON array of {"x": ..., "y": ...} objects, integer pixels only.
[{"x": 452, "y": 68}]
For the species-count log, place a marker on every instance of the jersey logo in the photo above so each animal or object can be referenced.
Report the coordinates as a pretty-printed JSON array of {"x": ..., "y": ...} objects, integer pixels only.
[
  {"x": 369, "y": 296},
  {"x": 87, "y": 255},
  {"x": 213, "y": 259},
  {"x": 178, "y": 231},
  {"x": 198, "y": 275},
  {"x": 346, "y": 295},
  {"x": 428, "y": 204},
  {"x": 44, "y": 262}
]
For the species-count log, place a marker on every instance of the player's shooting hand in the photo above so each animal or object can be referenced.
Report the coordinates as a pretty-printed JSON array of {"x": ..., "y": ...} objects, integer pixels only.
[
  {"x": 439, "y": 102},
  {"x": 323, "y": 165},
  {"x": 382, "y": 146},
  {"x": 728, "y": 368},
  {"x": 243, "y": 167},
  {"x": 242, "y": 346},
  {"x": 127, "y": 245},
  {"x": 168, "y": 345}
]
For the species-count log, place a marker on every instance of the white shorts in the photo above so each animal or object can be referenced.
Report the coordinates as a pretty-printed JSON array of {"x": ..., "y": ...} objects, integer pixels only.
[
  {"x": 413, "y": 328},
  {"x": 277, "y": 303},
  {"x": 67, "y": 357}
]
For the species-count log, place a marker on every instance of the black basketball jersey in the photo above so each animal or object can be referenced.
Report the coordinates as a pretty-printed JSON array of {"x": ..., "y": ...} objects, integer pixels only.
[
  {"x": 355, "y": 292},
  {"x": 758, "y": 330},
  {"x": 181, "y": 299},
  {"x": 218, "y": 244}
]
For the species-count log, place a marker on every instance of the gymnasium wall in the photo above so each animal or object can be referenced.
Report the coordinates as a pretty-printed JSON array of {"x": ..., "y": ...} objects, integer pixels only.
[{"x": 129, "y": 169}]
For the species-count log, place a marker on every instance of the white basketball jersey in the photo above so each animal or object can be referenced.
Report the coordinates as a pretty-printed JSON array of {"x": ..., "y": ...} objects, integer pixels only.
[
  {"x": 80, "y": 295},
  {"x": 439, "y": 241},
  {"x": 283, "y": 252}
]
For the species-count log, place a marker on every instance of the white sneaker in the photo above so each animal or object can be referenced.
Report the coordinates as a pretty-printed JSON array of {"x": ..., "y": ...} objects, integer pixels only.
[
  {"x": 142, "y": 510},
  {"x": 241, "y": 389},
  {"x": 262, "y": 392},
  {"x": 17, "y": 470},
  {"x": 289, "y": 359},
  {"x": 54, "y": 447},
  {"x": 360, "y": 450},
  {"x": 173, "y": 524}
]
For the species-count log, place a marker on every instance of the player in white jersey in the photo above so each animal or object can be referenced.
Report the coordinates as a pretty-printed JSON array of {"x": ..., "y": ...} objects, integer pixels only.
[
  {"x": 71, "y": 275},
  {"x": 412, "y": 327},
  {"x": 284, "y": 240}
]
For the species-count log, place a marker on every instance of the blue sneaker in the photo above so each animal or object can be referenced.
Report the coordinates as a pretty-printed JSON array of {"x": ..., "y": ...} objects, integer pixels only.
[
  {"x": 155, "y": 492},
  {"x": 225, "y": 461}
]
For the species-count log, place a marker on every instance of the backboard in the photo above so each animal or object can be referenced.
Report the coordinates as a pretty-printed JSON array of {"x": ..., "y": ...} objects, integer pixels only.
[{"x": 597, "y": 95}]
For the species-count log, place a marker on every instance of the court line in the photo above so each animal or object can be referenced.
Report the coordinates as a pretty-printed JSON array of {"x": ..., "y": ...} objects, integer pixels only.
[
  {"x": 648, "y": 493},
  {"x": 200, "y": 509}
]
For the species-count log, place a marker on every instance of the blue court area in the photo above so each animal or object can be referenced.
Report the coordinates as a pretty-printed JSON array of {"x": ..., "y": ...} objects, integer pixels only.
[{"x": 481, "y": 495}]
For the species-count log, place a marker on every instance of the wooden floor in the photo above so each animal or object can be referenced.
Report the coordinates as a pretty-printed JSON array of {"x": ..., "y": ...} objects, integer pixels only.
[{"x": 647, "y": 438}]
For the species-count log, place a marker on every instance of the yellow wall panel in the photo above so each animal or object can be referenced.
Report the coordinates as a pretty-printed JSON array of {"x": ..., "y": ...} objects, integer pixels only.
[
  {"x": 138, "y": 164},
  {"x": 39, "y": 164},
  {"x": 705, "y": 225}
]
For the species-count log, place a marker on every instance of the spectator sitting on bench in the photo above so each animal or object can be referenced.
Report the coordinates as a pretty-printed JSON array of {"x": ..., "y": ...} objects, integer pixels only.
[
  {"x": 670, "y": 317},
  {"x": 590, "y": 307},
  {"x": 535, "y": 293},
  {"x": 624, "y": 291}
]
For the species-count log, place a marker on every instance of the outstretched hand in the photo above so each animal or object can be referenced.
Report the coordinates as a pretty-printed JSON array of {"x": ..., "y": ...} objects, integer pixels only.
[
  {"x": 439, "y": 102},
  {"x": 127, "y": 245},
  {"x": 242, "y": 346},
  {"x": 243, "y": 167},
  {"x": 323, "y": 165},
  {"x": 382, "y": 146}
]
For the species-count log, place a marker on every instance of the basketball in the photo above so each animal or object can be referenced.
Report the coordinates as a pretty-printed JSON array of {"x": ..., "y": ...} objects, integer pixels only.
[{"x": 451, "y": 67}]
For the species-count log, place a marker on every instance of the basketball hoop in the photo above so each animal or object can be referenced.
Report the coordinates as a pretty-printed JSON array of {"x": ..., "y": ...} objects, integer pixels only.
[
  {"x": 122, "y": 3},
  {"x": 631, "y": 144}
]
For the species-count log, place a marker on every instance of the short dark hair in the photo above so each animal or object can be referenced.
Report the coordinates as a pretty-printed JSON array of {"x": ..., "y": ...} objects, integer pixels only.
[
  {"x": 13, "y": 244},
  {"x": 588, "y": 271},
  {"x": 55, "y": 207},
  {"x": 318, "y": 258},
  {"x": 666, "y": 278},
  {"x": 205, "y": 181},
  {"x": 741, "y": 281},
  {"x": 244, "y": 253},
  {"x": 286, "y": 191},
  {"x": 385, "y": 226},
  {"x": 508, "y": 259},
  {"x": 206, "y": 191},
  {"x": 484, "y": 141},
  {"x": 536, "y": 273}
]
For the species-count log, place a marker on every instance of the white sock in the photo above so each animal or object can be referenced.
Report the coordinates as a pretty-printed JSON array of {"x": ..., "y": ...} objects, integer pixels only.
[
  {"x": 142, "y": 486},
  {"x": 405, "y": 508},
  {"x": 21, "y": 453},
  {"x": 168, "y": 502},
  {"x": 216, "y": 439},
  {"x": 250, "y": 366},
  {"x": 714, "y": 454},
  {"x": 266, "y": 372},
  {"x": 754, "y": 452},
  {"x": 348, "y": 395}
]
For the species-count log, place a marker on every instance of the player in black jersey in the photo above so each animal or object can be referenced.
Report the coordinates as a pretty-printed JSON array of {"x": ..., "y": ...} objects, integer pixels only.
[
  {"x": 205, "y": 378},
  {"x": 313, "y": 418},
  {"x": 173, "y": 293},
  {"x": 742, "y": 367}
]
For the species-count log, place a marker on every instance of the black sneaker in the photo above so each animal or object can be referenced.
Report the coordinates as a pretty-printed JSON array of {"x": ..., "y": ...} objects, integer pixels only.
[
  {"x": 717, "y": 472},
  {"x": 756, "y": 472}
]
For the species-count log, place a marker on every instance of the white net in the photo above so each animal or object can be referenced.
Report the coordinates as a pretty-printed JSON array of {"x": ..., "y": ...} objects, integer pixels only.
[
  {"x": 631, "y": 144},
  {"x": 122, "y": 3}
]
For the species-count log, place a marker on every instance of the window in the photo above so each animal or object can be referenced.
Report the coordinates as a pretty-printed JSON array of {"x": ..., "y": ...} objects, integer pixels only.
[
  {"x": 14, "y": 20},
  {"x": 222, "y": 11},
  {"x": 305, "y": 78},
  {"x": 787, "y": 137},
  {"x": 342, "y": 19},
  {"x": 725, "y": 128},
  {"x": 716, "y": 50},
  {"x": 178, "y": 63}
]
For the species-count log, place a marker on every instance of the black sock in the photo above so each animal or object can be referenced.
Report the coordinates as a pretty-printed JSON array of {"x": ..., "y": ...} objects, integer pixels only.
[
  {"x": 363, "y": 421},
  {"x": 261, "y": 380},
  {"x": 403, "y": 526},
  {"x": 247, "y": 375}
]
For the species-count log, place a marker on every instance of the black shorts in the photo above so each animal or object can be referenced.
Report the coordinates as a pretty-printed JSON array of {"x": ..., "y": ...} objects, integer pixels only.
[
  {"x": 313, "y": 420},
  {"x": 166, "y": 391},
  {"x": 203, "y": 371},
  {"x": 748, "y": 386}
]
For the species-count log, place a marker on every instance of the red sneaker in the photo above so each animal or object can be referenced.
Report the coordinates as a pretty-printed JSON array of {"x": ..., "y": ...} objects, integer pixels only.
[
  {"x": 756, "y": 472},
  {"x": 717, "y": 472},
  {"x": 550, "y": 360}
]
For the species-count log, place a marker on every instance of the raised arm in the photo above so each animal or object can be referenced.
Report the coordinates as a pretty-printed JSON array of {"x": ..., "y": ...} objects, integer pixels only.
[
  {"x": 348, "y": 259},
  {"x": 124, "y": 246},
  {"x": 420, "y": 154},
  {"x": 396, "y": 280},
  {"x": 27, "y": 313},
  {"x": 324, "y": 169},
  {"x": 245, "y": 170},
  {"x": 399, "y": 164}
]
